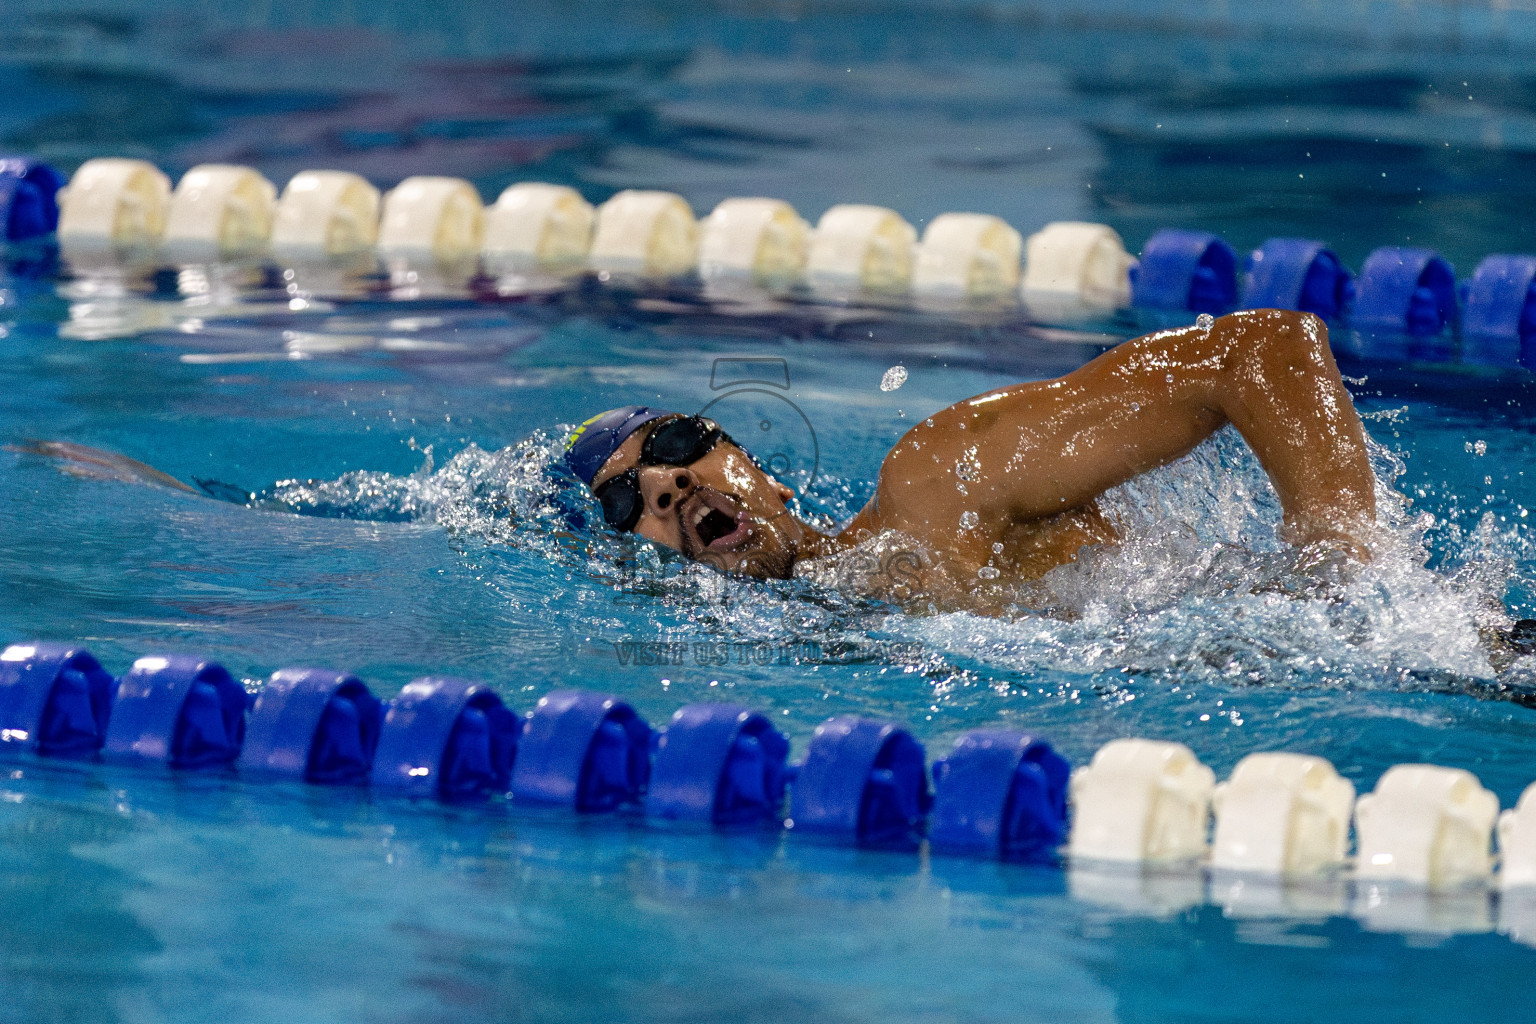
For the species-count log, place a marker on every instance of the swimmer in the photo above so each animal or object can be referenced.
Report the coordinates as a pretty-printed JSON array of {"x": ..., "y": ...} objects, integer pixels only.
[
  {"x": 1005, "y": 482},
  {"x": 1010, "y": 480}
]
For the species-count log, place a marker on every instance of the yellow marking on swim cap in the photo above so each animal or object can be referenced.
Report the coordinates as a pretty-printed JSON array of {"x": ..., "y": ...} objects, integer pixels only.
[{"x": 570, "y": 442}]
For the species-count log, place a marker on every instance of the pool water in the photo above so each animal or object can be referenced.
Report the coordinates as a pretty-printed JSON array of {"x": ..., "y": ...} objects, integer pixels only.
[{"x": 386, "y": 503}]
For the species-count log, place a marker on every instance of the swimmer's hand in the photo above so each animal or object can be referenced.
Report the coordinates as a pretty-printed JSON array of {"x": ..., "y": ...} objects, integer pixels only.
[{"x": 218, "y": 490}]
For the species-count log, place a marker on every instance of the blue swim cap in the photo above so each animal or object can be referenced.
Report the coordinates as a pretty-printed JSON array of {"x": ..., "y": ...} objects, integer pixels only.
[{"x": 595, "y": 440}]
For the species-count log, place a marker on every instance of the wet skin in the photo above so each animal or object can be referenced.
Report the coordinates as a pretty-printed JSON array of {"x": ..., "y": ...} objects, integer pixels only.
[{"x": 1030, "y": 460}]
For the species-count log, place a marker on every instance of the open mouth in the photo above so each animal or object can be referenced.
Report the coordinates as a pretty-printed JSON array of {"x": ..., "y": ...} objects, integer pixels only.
[{"x": 712, "y": 518}]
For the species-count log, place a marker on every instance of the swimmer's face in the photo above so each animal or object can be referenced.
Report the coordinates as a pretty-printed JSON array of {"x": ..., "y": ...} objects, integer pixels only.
[{"x": 720, "y": 509}]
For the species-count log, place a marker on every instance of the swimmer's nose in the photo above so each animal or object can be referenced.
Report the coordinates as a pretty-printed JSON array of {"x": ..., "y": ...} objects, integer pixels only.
[{"x": 664, "y": 487}]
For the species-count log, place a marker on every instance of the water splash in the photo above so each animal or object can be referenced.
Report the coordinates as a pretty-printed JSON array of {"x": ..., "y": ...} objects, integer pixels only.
[{"x": 1200, "y": 589}]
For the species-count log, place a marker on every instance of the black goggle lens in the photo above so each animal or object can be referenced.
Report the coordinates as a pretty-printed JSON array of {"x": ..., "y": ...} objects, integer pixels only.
[
  {"x": 621, "y": 501},
  {"x": 679, "y": 442}
]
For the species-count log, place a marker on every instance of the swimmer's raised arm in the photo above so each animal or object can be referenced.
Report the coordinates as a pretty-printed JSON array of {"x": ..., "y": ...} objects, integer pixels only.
[
  {"x": 1006, "y": 481},
  {"x": 1033, "y": 451}
]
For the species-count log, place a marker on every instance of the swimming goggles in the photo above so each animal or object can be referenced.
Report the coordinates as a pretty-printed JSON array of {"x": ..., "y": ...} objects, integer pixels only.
[{"x": 680, "y": 441}]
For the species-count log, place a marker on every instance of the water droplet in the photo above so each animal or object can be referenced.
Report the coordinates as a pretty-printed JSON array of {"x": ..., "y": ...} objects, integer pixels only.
[
  {"x": 997, "y": 547},
  {"x": 894, "y": 378},
  {"x": 1478, "y": 447},
  {"x": 1135, "y": 407},
  {"x": 1205, "y": 322},
  {"x": 969, "y": 520},
  {"x": 988, "y": 572}
]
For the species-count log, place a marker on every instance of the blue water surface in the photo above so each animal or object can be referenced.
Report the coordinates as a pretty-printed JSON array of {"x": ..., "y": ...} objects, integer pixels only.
[{"x": 383, "y": 460}]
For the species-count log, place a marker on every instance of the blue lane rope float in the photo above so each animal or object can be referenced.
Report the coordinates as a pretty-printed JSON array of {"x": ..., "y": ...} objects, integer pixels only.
[
  {"x": 1185, "y": 270},
  {"x": 29, "y": 191},
  {"x": 1000, "y": 793},
  {"x": 720, "y": 764},
  {"x": 1404, "y": 291},
  {"x": 1300, "y": 274},
  {"x": 177, "y": 710},
  {"x": 55, "y": 699},
  {"x": 445, "y": 737},
  {"x": 313, "y": 724},
  {"x": 1500, "y": 300},
  {"x": 589, "y": 752},
  {"x": 863, "y": 782}
]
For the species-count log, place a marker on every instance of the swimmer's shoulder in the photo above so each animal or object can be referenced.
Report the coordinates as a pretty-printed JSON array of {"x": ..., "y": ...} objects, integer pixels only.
[{"x": 914, "y": 468}]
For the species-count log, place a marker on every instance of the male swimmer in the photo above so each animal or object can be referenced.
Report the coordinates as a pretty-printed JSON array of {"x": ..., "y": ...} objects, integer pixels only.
[
  {"x": 1009, "y": 480},
  {"x": 998, "y": 489}
]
